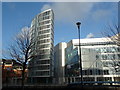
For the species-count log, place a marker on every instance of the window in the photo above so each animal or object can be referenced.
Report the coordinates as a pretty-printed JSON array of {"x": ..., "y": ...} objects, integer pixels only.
[
  {"x": 118, "y": 56},
  {"x": 44, "y": 46},
  {"x": 47, "y": 17},
  {"x": 42, "y": 73},
  {"x": 44, "y": 36},
  {"x": 104, "y": 57},
  {"x": 97, "y": 50},
  {"x": 105, "y": 64},
  {"x": 103, "y": 50},
  {"x": 45, "y": 41},
  {"x": 48, "y": 26},
  {"x": 44, "y": 27},
  {"x": 118, "y": 49},
  {"x": 90, "y": 72},
  {"x": 45, "y": 56},
  {"x": 48, "y": 12},
  {"x": 44, "y": 31},
  {"x": 97, "y": 57},
  {"x": 38, "y": 42},
  {"x": 44, "y": 22},
  {"x": 45, "y": 51},
  {"x": 113, "y": 49},
  {"x": 107, "y": 78},
  {"x": 112, "y": 56},
  {"x": 99, "y": 72},
  {"x": 106, "y": 72},
  {"x": 43, "y": 62}
]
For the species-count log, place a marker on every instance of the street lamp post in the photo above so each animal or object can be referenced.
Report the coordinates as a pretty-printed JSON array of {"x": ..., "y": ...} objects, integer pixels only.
[{"x": 80, "y": 61}]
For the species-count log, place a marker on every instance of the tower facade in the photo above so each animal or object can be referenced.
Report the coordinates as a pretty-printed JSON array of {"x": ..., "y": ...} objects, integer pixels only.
[
  {"x": 59, "y": 60},
  {"x": 42, "y": 38}
]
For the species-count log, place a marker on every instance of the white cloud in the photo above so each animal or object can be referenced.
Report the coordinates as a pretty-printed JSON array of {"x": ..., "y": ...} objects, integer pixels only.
[
  {"x": 74, "y": 11},
  {"x": 100, "y": 14},
  {"x": 46, "y": 6},
  {"x": 70, "y": 11},
  {"x": 90, "y": 35}
]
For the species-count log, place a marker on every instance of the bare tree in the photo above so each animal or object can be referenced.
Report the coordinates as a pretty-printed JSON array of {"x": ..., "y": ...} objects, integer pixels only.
[
  {"x": 20, "y": 49},
  {"x": 113, "y": 34}
]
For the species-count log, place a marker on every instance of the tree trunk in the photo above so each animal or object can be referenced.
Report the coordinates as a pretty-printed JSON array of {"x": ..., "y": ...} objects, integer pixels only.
[
  {"x": 23, "y": 71},
  {"x": 23, "y": 76}
]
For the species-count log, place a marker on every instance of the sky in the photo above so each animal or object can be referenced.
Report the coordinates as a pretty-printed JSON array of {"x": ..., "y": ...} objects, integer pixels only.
[{"x": 94, "y": 18}]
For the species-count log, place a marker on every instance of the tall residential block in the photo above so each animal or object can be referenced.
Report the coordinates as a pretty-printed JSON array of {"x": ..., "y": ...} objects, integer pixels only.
[{"x": 41, "y": 64}]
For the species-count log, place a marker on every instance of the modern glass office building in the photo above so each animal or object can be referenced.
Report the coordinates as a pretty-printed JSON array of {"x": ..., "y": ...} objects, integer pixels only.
[
  {"x": 42, "y": 36},
  {"x": 100, "y": 60}
]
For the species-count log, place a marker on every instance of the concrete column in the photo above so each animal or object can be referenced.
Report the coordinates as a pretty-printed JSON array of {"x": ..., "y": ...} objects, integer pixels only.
[
  {"x": 95, "y": 80},
  {"x": 74, "y": 79},
  {"x": 15, "y": 81},
  {"x": 66, "y": 80},
  {"x": 31, "y": 80},
  {"x": 70, "y": 79},
  {"x": 112, "y": 78},
  {"x": 63, "y": 80}
]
